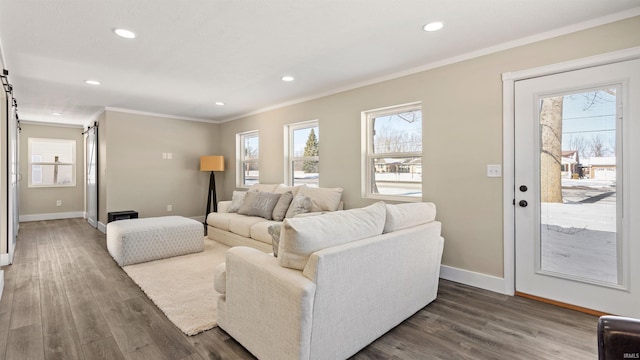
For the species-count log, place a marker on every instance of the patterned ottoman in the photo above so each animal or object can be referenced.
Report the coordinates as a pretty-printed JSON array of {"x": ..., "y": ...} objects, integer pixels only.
[{"x": 138, "y": 240}]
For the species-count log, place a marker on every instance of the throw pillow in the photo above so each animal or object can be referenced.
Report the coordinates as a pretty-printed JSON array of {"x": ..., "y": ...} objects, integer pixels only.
[
  {"x": 264, "y": 204},
  {"x": 274, "y": 231},
  {"x": 302, "y": 236},
  {"x": 247, "y": 203},
  {"x": 322, "y": 199},
  {"x": 280, "y": 210},
  {"x": 236, "y": 201},
  {"x": 299, "y": 205}
]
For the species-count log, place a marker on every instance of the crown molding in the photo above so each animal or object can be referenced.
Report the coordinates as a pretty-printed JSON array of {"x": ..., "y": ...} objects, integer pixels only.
[
  {"x": 166, "y": 116},
  {"x": 456, "y": 59}
]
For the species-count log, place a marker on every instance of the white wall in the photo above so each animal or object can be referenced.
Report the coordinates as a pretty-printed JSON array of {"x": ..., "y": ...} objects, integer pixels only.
[
  {"x": 39, "y": 203},
  {"x": 462, "y": 133},
  {"x": 133, "y": 174}
]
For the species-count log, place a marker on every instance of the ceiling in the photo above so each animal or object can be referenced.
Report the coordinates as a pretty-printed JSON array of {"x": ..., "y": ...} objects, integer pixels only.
[{"x": 190, "y": 54}]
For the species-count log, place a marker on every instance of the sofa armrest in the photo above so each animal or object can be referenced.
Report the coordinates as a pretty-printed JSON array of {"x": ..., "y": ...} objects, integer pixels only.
[
  {"x": 267, "y": 308},
  {"x": 223, "y": 206},
  {"x": 220, "y": 278},
  {"x": 391, "y": 275}
]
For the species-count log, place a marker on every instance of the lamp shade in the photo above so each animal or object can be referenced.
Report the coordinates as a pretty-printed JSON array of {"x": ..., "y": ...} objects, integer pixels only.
[{"x": 212, "y": 163}]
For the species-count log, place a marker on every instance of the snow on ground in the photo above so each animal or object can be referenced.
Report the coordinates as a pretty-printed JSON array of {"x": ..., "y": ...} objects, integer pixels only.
[{"x": 578, "y": 237}]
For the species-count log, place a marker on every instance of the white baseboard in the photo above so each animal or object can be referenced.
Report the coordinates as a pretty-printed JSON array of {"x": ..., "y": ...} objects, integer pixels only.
[
  {"x": 52, "y": 216},
  {"x": 1, "y": 282},
  {"x": 471, "y": 278},
  {"x": 4, "y": 259}
]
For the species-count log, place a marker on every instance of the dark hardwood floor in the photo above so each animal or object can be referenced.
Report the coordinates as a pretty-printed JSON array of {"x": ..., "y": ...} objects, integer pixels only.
[{"x": 65, "y": 298}]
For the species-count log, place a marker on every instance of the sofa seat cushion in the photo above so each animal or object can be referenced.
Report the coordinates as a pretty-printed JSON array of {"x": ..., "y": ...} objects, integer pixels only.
[
  {"x": 221, "y": 220},
  {"x": 260, "y": 231},
  {"x": 241, "y": 225},
  {"x": 305, "y": 235}
]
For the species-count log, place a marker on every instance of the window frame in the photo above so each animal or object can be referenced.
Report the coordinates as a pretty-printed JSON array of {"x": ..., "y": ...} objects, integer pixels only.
[
  {"x": 289, "y": 156},
  {"x": 33, "y": 165},
  {"x": 367, "y": 143},
  {"x": 241, "y": 161}
]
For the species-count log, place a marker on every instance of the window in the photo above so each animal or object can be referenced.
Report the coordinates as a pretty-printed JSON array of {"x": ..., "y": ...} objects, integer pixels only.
[
  {"x": 392, "y": 160},
  {"x": 248, "y": 154},
  {"x": 52, "y": 162},
  {"x": 303, "y": 156}
]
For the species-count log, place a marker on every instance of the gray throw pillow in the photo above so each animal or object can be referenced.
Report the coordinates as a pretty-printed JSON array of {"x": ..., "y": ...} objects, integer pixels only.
[
  {"x": 264, "y": 204},
  {"x": 299, "y": 205},
  {"x": 236, "y": 201},
  {"x": 282, "y": 206},
  {"x": 274, "y": 231},
  {"x": 247, "y": 203}
]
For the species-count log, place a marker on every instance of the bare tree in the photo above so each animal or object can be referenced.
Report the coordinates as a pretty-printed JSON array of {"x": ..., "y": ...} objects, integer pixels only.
[
  {"x": 392, "y": 140},
  {"x": 595, "y": 97},
  {"x": 598, "y": 147},
  {"x": 579, "y": 144},
  {"x": 411, "y": 116},
  {"x": 551, "y": 151}
]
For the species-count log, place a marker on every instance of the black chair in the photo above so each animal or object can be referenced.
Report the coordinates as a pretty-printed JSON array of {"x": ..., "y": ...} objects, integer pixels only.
[{"x": 618, "y": 338}]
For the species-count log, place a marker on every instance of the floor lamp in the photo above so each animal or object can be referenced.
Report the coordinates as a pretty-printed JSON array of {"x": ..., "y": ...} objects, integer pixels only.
[{"x": 212, "y": 164}]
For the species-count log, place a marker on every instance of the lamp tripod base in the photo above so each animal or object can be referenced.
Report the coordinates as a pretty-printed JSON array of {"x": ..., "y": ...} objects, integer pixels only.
[{"x": 211, "y": 197}]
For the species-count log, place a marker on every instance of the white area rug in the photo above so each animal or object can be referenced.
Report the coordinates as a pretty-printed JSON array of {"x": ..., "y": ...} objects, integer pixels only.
[{"x": 182, "y": 286}]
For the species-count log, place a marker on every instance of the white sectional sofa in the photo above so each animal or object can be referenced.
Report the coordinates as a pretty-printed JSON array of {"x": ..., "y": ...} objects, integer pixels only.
[
  {"x": 340, "y": 281},
  {"x": 231, "y": 228}
]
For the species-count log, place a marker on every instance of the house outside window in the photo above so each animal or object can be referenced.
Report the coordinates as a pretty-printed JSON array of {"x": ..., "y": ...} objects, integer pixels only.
[
  {"x": 52, "y": 162},
  {"x": 302, "y": 154},
  {"x": 248, "y": 168},
  {"x": 392, "y": 157}
]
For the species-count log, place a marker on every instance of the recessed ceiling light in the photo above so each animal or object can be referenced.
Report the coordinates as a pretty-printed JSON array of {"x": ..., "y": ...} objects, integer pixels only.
[
  {"x": 219, "y": 103},
  {"x": 288, "y": 78},
  {"x": 433, "y": 26},
  {"x": 127, "y": 34},
  {"x": 92, "y": 82},
  {"x": 56, "y": 114}
]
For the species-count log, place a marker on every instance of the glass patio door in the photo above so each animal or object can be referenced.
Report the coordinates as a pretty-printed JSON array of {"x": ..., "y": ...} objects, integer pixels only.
[{"x": 574, "y": 168}]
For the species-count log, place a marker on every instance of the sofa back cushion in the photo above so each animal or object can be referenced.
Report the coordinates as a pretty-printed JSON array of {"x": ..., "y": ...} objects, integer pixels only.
[
  {"x": 322, "y": 199},
  {"x": 303, "y": 236},
  {"x": 282, "y": 188},
  {"x": 406, "y": 215},
  {"x": 264, "y": 187}
]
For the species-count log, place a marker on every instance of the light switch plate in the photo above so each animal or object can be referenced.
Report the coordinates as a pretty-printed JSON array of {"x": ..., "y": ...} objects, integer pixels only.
[{"x": 494, "y": 170}]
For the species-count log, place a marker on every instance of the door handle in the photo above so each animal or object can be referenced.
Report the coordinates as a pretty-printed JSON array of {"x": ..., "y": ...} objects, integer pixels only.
[{"x": 523, "y": 203}]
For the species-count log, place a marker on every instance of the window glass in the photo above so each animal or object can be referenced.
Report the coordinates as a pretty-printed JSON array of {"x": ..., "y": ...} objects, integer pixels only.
[
  {"x": 393, "y": 160},
  {"x": 304, "y": 154},
  {"x": 249, "y": 155},
  {"x": 52, "y": 162}
]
